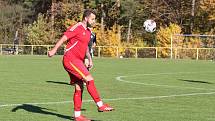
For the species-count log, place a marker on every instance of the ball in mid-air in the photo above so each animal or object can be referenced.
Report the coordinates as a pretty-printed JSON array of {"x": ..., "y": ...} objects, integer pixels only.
[{"x": 149, "y": 25}]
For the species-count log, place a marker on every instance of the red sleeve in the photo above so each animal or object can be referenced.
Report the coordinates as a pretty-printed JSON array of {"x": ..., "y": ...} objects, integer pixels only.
[{"x": 71, "y": 31}]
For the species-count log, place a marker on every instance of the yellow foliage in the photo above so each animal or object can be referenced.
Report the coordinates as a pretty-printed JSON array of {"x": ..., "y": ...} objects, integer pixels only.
[
  {"x": 39, "y": 32},
  {"x": 210, "y": 40},
  {"x": 209, "y": 7},
  {"x": 164, "y": 38},
  {"x": 194, "y": 43},
  {"x": 69, "y": 22},
  {"x": 110, "y": 37}
]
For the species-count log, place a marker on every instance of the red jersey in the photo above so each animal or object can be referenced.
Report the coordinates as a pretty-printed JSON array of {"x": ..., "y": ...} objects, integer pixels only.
[{"x": 78, "y": 39}]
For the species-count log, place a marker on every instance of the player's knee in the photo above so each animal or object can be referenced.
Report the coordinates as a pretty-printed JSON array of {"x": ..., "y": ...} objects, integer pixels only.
[
  {"x": 89, "y": 78},
  {"x": 78, "y": 86}
]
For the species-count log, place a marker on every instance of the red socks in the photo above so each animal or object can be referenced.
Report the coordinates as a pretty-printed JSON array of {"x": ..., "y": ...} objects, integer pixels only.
[
  {"x": 77, "y": 100},
  {"x": 92, "y": 91}
]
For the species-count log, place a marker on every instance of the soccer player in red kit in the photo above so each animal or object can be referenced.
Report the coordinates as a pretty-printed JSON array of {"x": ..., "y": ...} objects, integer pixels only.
[{"x": 78, "y": 37}]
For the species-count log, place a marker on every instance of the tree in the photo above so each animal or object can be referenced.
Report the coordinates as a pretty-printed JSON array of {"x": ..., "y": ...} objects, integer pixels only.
[
  {"x": 128, "y": 10},
  {"x": 164, "y": 38},
  {"x": 38, "y": 33},
  {"x": 12, "y": 18},
  {"x": 206, "y": 16}
]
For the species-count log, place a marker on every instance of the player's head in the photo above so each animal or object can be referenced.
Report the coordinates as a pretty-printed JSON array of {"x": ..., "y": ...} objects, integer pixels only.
[{"x": 89, "y": 16}]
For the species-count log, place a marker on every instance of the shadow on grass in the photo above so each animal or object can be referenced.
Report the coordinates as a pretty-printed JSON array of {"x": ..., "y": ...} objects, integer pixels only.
[
  {"x": 45, "y": 111},
  {"x": 57, "y": 82},
  {"x": 40, "y": 110},
  {"x": 194, "y": 81}
]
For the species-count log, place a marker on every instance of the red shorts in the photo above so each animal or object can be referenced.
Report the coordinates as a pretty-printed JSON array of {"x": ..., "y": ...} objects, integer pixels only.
[{"x": 76, "y": 69}]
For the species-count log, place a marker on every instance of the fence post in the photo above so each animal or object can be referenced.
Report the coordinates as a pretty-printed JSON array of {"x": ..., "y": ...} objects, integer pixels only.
[
  {"x": 171, "y": 44},
  {"x": 32, "y": 49},
  {"x": 156, "y": 52},
  {"x": 197, "y": 53},
  {"x": 1, "y": 49},
  {"x": 99, "y": 52},
  {"x": 176, "y": 52},
  {"x": 136, "y": 56},
  {"x": 117, "y": 52},
  {"x": 47, "y": 49}
]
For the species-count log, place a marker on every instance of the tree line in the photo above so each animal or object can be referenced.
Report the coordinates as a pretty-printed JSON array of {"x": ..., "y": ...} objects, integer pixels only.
[{"x": 119, "y": 22}]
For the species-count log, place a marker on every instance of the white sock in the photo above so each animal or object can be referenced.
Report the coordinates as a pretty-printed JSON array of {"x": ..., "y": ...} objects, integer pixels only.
[
  {"x": 99, "y": 104},
  {"x": 77, "y": 113}
]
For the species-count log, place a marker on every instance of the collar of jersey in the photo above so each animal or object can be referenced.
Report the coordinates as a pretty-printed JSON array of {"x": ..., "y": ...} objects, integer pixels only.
[{"x": 83, "y": 25}]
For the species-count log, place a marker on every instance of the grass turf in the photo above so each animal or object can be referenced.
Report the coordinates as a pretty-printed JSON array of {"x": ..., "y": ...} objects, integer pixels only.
[{"x": 139, "y": 89}]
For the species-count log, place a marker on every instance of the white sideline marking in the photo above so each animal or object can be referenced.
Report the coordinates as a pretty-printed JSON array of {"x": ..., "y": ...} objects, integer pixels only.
[
  {"x": 116, "y": 99},
  {"x": 119, "y": 78},
  {"x": 170, "y": 73},
  {"x": 137, "y": 98}
]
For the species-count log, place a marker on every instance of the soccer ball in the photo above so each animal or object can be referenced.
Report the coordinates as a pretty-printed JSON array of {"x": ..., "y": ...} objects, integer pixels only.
[
  {"x": 120, "y": 56},
  {"x": 149, "y": 25}
]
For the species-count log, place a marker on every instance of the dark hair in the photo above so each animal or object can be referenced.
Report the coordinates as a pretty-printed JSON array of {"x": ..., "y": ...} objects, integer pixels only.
[{"x": 87, "y": 13}]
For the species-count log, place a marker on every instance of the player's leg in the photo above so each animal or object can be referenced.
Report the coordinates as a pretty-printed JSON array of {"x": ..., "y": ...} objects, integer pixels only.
[
  {"x": 91, "y": 88},
  {"x": 77, "y": 98},
  {"x": 83, "y": 73},
  {"x": 78, "y": 102},
  {"x": 77, "y": 68},
  {"x": 77, "y": 81}
]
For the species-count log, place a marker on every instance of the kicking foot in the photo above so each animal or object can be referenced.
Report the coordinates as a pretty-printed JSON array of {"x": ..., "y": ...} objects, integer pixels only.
[{"x": 105, "y": 108}]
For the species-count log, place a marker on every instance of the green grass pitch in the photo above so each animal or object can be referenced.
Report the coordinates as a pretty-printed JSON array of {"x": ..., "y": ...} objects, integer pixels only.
[{"x": 35, "y": 88}]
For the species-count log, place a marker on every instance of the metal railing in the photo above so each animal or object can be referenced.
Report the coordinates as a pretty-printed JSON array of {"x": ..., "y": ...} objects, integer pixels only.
[{"x": 115, "y": 51}]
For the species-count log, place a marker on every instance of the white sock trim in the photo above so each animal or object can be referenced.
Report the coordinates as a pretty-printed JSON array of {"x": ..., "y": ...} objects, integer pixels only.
[
  {"x": 77, "y": 113},
  {"x": 99, "y": 104}
]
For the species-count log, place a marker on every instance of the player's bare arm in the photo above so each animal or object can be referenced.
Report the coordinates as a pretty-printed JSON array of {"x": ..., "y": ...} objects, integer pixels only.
[
  {"x": 89, "y": 58},
  {"x": 58, "y": 44}
]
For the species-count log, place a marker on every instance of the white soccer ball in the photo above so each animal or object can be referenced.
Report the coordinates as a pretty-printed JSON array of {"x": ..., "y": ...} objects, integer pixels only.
[{"x": 149, "y": 25}]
